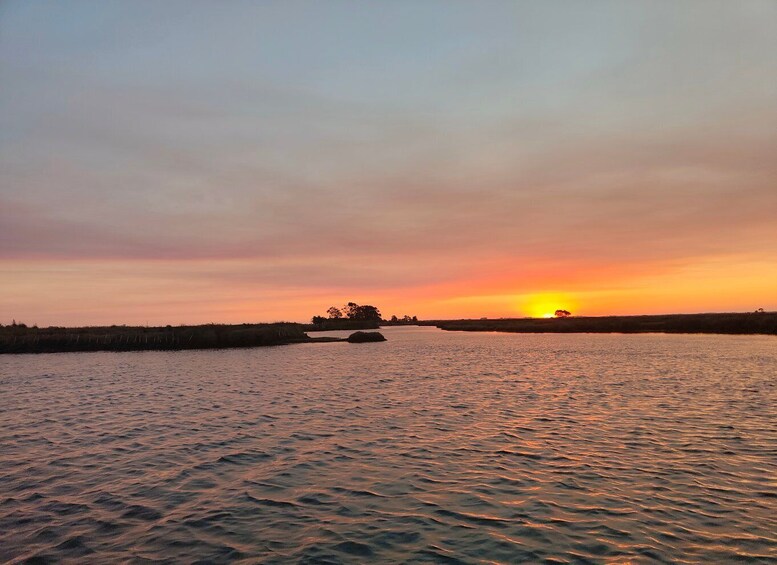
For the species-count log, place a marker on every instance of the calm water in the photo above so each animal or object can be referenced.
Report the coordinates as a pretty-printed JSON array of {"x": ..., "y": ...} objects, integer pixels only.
[{"x": 431, "y": 447}]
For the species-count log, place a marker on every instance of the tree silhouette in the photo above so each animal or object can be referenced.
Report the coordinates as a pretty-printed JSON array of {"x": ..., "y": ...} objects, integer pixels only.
[
  {"x": 366, "y": 312},
  {"x": 335, "y": 313},
  {"x": 563, "y": 313}
]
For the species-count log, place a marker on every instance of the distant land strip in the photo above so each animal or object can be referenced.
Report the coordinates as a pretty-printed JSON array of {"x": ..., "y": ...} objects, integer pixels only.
[
  {"x": 24, "y": 339},
  {"x": 724, "y": 323}
]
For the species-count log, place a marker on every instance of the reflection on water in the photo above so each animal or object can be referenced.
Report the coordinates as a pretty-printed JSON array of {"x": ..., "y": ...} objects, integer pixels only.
[{"x": 433, "y": 446}]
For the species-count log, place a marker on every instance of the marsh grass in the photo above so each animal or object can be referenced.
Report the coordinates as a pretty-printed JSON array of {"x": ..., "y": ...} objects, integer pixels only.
[
  {"x": 727, "y": 323},
  {"x": 22, "y": 339}
]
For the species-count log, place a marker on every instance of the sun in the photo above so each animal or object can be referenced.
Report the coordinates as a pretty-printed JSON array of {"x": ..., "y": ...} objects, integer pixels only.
[{"x": 545, "y": 304}]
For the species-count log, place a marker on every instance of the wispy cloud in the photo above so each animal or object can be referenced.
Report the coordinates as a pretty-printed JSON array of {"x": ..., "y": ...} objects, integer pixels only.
[{"x": 424, "y": 150}]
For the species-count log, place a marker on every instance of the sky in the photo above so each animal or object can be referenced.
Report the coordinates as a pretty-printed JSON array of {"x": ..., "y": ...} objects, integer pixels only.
[{"x": 190, "y": 162}]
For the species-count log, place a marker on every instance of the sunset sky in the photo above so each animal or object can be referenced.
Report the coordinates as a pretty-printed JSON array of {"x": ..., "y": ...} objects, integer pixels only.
[{"x": 186, "y": 162}]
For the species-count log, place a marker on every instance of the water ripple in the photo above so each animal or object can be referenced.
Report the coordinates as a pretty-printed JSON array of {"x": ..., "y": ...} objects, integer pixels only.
[{"x": 432, "y": 447}]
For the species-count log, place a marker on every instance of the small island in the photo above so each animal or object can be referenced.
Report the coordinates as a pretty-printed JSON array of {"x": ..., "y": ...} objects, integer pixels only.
[{"x": 365, "y": 337}]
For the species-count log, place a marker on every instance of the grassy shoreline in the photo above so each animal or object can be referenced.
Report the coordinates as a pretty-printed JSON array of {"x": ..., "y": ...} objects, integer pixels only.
[
  {"x": 22, "y": 339},
  {"x": 762, "y": 323}
]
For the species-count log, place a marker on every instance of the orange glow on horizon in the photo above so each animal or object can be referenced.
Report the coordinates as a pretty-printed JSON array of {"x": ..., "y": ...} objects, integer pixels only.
[{"x": 94, "y": 293}]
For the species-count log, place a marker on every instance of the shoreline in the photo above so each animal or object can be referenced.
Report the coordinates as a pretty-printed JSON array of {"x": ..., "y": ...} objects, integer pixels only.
[
  {"x": 20, "y": 339},
  {"x": 755, "y": 323}
]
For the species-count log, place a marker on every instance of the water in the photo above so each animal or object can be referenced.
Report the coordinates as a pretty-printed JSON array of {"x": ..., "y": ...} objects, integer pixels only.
[{"x": 431, "y": 447}]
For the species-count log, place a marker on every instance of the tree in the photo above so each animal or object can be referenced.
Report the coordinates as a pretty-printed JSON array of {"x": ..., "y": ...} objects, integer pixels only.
[
  {"x": 350, "y": 310},
  {"x": 394, "y": 319},
  {"x": 366, "y": 312},
  {"x": 407, "y": 319},
  {"x": 335, "y": 313},
  {"x": 318, "y": 320},
  {"x": 563, "y": 314}
]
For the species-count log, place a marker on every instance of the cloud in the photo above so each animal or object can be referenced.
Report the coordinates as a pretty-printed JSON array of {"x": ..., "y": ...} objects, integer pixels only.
[{"x": 525, "y": 146}]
